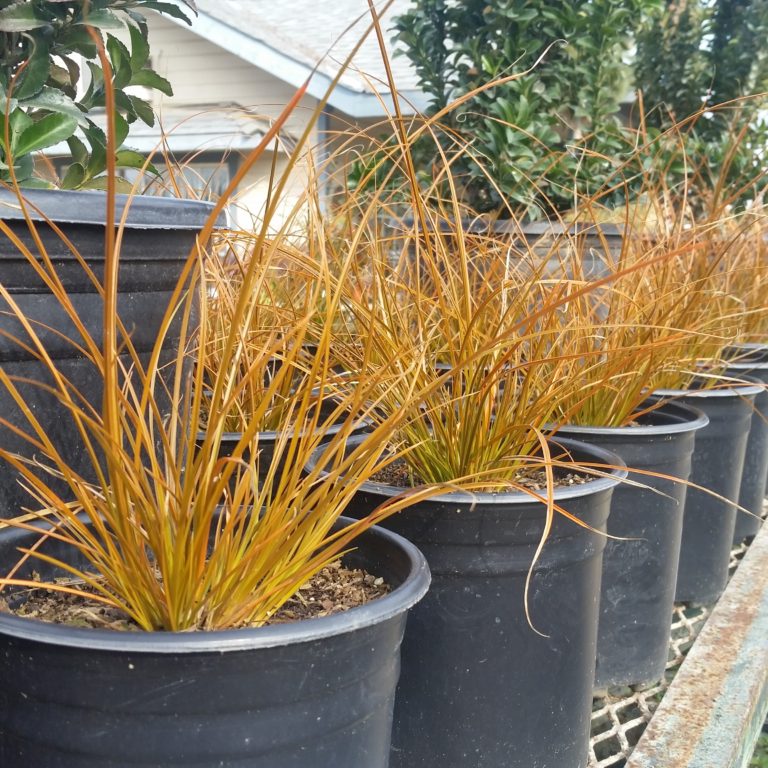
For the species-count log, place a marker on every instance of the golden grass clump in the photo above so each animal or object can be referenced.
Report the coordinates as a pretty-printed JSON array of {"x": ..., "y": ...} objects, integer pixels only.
[{"x": 163, "y": 527}]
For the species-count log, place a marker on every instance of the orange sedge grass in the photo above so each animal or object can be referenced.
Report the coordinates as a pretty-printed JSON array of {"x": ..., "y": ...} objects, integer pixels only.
[
  {"x": 692, "y": 292},
  {"x": 513, "y": 337},
  {"x": 266, "y": 331},
  {"x": 613, "y": 346},
  {"x": 658, "y": 326},
  {"x": 463, "y": 305},
  {"x": 165, "y": 525}
]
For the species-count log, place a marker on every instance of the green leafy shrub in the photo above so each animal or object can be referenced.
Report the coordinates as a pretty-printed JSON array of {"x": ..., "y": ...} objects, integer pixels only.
[
  {"x": 42, "y": 43},
  {"x": 694, "y": 56},
  {"x": 549, "y": 135}
]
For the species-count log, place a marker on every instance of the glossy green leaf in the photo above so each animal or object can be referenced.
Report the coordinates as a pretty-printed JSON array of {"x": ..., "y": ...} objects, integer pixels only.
[
  {"x": 18, "y": 122},
  {"x": 36, "y": 71},
  {"x": 97, "y": 162},
  {"x": 102, "y": 183},
  {"x": 120, "y": 58},
  {"x": 150, "y": 79},
  {"x": 74, "y": 176},
  {"x": 128, "y": 158},
  {"x": 76, "y": 40},
  {"x": 21, "y": 17},
  {"x": 7, "y": 105},
  {"x": 172, "y": 10},
  {"x": 121, "y": 130},
  {"x": 143, "y": 110},
  {"x": 46, "y": 132},
  {"x": 125, "y": 105},
  {"x": 104, "y": 19},
  {"x": 78, "y": 149},
  {"x": 54, "y": 100},
  {"x": 139, "y": 46},
  {"x": 23, "y": 170}
]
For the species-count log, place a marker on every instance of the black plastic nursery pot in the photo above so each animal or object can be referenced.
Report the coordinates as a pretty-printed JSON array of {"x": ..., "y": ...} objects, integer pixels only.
[
  {"x": 479, "y": 686},
  {"x": 599, "y": 244},
  {"x": 717, "y": 464},
  {"x": 158, "y": 237},
  {"x": 640, "y": 564},
  {"x": 752, "y": 359},
  {"x": 266, "y": 442},
  {"x": 313, "y": 694}
]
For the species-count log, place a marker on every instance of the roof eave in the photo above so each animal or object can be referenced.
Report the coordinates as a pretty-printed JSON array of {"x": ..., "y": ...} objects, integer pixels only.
[{"x": 354, "y": 103}]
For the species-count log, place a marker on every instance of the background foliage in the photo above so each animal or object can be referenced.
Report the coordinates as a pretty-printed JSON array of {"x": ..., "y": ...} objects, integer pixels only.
[
  {"x": 42, "y": 46},
  {"x": 559, "y": 120},
  {"x": 695, "y": 54}
]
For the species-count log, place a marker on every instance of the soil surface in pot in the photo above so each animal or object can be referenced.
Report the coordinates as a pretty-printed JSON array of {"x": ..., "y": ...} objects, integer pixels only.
[
  {"x": 333, "y": 590},
  {"x": 398, "y": 474}
]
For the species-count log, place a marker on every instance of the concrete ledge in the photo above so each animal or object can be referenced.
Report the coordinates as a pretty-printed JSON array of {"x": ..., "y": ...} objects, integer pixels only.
[{"x": 713, "y": 711}]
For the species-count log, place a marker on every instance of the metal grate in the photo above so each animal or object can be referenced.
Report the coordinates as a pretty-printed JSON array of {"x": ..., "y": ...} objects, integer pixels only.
[{"x": 619, "y": 719}]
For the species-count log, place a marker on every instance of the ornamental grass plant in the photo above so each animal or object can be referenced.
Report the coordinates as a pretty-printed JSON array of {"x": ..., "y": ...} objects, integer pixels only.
[
  {"x": 163, "y": 528},
  {"x": 654, "y": 324},
  {"x": 515, "y": 335},
  {"x": 279, "y": 301},
  {"x": 470, "y": 307},
  {"x": 691, "y": 287}
]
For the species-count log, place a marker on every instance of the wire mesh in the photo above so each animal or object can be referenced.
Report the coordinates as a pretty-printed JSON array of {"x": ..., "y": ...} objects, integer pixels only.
[{"x": 620, "y": 717}]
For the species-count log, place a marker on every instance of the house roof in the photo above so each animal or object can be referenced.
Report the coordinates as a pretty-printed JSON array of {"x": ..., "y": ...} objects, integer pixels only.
[{"x": 290, "y": 39}]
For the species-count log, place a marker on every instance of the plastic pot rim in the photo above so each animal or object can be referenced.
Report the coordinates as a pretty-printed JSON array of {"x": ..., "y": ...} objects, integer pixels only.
[
  {"x": 698, "y": 420},
  {"x": 747, "y": 367},
  {"x": 402, "y": 598},
  {"x": 79, "y": 207},
  {"x": 750, "y": 346},
  {"x": 747, "y": 390},
  {"x": 270, "y": 435}
]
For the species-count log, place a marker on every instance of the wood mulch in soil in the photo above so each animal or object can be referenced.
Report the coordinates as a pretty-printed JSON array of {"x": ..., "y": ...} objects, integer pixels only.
[
  {"x": 398, "y": 475},
  {"x": 334, "y": 589}
]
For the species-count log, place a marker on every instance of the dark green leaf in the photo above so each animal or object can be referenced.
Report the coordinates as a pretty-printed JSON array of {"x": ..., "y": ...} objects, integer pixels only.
[
  {"x": 121, "y": 129},
  {"x": 150, "y": 79},
  {"x": 124, "y": 105},
  {"x": 102, "y": 182},
  {"x": 128, "y": 158},
  {"x": 44, "y": 133},
  {"x": 18, "y": 122},
  {"x": 76, "y": 40},
  {"x": 6, "y": 105},
  {"x": 53, "y": 100},
  {"x": 23, "y": 170},
  {"x": 21, "y": 17},
  {"x": 120, "y": 58},
  {"x": 78, "y": 150},
  {"x": 36, "y": 71},
  {"x": 143, "y": 110},
  {"x": 97, "y": 162},
  {"x": 94, "y": 134},
  {"x": 103, "y": 19},
  {"x": 139, "y": 46},
  {"x": 74, "y": 176},
  {"x": 95, "y": 86},
  {"x": 171, "y": 10}
]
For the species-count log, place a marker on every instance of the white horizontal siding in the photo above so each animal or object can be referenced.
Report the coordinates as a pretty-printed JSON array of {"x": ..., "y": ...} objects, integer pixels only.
[{"x": 201, "y": 73}]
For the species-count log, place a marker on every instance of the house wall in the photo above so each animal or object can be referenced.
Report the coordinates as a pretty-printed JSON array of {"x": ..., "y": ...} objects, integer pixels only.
[
  {"x": 201, "y": 73},
  {"x": 203, "y": 76}
]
